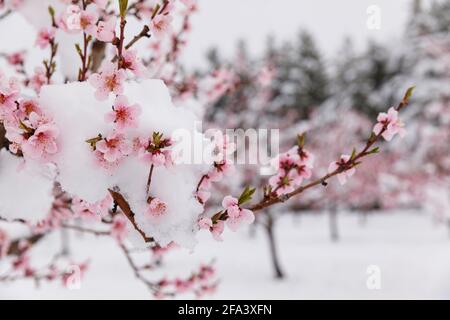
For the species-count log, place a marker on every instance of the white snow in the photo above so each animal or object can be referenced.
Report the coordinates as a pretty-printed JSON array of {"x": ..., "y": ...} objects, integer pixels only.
[
  {"x": 25, "y": 188},
  {"x": 410, "y": 250},
  {"x": 80, "y": 117}
]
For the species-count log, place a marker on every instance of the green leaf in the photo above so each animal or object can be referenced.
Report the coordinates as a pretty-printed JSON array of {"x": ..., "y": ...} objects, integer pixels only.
[
  {"x": 246, "y": 195},
  {"x": 123, "y": 6},
  {"x": 352, "y": 157},
  {"x": 51, "y": 11},
  {"x": 93, "y": 141},
  {"x": 409, "y": 93},
  {"x": 374, "y": 150},
  {"x": 301, "y": 140}
]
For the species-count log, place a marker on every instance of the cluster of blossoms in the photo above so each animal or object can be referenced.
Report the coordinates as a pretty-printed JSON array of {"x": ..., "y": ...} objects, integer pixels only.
[
  {"x": 389, "y": 125},
  {"x": 219, "y": 82},
  {"x": 293, "y": 166},
  {"x": 345, "y": 166},
  {"x": 75, "y": 19},
  {"x": 233, "y": 215},
  {"x": 30, "y": 131},
  {"x": 67, "y": 273},
  {"x": 201, "y": 283},
  {"x": 222, "y": 166}
]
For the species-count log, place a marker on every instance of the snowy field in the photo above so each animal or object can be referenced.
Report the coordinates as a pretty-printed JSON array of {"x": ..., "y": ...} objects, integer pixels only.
[{"x": 411, "y": 251}]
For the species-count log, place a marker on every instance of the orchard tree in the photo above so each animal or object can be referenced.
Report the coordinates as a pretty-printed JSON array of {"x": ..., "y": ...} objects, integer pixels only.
[{"x": 104, "y": 146}]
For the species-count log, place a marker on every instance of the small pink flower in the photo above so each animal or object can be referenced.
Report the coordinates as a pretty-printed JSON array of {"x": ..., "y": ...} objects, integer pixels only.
[
  {"x": 161, "y": 25},
  {"x": 38, "y": 79},
  {"x": 245, "y": 217},
  {"x": 124, "y": 115},
  {"x": 203, "y": 196},
  {"x": 205, "y": 223},
  {"x": 391, "y": 122},
  {"x": 231, "y": 205},
  {"x": 109, "y": 80},
  {"x": 9, "y": 93},
  {"x": 342, "y": 163},
  {"x": 106, "y": 30},
  {"x": 190, "y": 4},
  {"x": 132, "y": 62},
  {"x": 236, "y": 215},
  {"x": 155, "y": 153},
  {"x": 114, "y": 147},
  {"x": 156, "y": 208},
  {"x": 88, "y": 21},
  {"x": 45, "y": 36},
  {"x": 283, "y": 183},
  {"x": 16, "y": 58},
  {"x": 217, "y": 230},
  {"x": 27, "y": 107},
  {"x": 42, "y": 143},
  {"x": 101, "y": 3},
  {"x": 69, "y": 20},
  {"x": 119, "y": 229}
]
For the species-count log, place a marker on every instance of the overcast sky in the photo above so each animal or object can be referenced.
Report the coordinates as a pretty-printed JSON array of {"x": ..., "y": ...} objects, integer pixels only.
[{"x": 222, "y": 22}]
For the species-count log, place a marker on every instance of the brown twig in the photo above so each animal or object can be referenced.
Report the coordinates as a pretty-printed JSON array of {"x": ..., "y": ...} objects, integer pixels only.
[
  {"x": 125, "y": 207},
  {"x": 137, "y": 271}
]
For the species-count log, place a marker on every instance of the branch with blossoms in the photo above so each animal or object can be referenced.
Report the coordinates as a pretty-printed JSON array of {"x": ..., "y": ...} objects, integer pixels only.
[
  {"x": 294, "y": 167},
  {"x": 116, "y": 173}
]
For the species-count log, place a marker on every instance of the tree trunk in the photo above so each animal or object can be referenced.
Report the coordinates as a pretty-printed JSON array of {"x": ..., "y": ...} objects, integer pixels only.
[
  {"x": 279, "y": 274},
  {"x": 333, "y": 224}
]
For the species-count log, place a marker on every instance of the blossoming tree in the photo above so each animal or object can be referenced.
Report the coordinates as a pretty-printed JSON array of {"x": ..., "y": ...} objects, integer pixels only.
[{"x": 91, "y": 140}]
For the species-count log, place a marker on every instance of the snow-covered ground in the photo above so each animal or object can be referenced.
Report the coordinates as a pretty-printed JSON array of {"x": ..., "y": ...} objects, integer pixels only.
[{"x": 411, "y": 251}]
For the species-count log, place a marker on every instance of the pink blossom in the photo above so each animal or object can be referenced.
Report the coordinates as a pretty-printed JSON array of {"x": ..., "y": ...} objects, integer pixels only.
[
  {"x": 342, "y": 165},
  {"x": 45, "y": 36},
  {"x": 205, "y": 223},
  {"x": 236, "y": 215},
  {"x": 161, "y": 25},
  {"x": 106, "y": 30},
  {"x": 114, "y": 147},
  {"x": 190, "y": 4},
  {"x": 70, "y": 19},
  {"x": 217, "y": 230},
  {"x": 28, "y": 107},
  {"x": 88, "y": 21},
  {"x": 245, "y": 217},
  {"x": 93, "y": 211},
  {"x": 182, "y": 286},
  {"x": 155, "y": 152},
  {"x": 124, "y": 115},
  {"x": 203, "y": 196},
  {"x": 220, "y": 170},
  {"x": 109, "y": 80},
  {"x": 16, "y": 58},
  {"x": 391, "y": 123},
  {"x": 38, "y": 79},
  {"x": 42, "y": 143},
  {"x": 101, "y": 3},
  {"x": 22, "y": 263},
  {"x": 119, "y": 229},
  {"x": 231, "y": 205},
  {"x": 156, "y": 208},
  {"x": 283, "y": 183},
  {"x": 133, "y": 63},
  {"x": 9, "y": 93}
]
